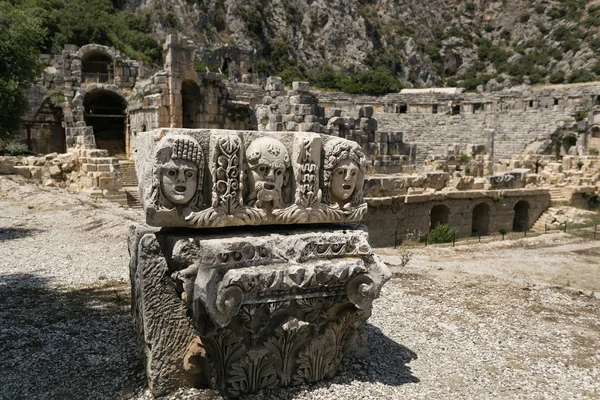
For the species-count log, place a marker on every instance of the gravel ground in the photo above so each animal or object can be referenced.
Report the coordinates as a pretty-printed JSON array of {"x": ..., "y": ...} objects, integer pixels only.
[{"x": 447, "y": 326}]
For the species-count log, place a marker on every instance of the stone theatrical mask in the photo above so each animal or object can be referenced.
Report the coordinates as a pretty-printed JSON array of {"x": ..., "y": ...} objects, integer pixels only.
[
  {"x": 268, "y": 160},
  {"x": 179, "y": 180},
  {"x": 343, "y": 180},
  {"x": 344, "y": 167},
  {"x": 179, "y": 173}
]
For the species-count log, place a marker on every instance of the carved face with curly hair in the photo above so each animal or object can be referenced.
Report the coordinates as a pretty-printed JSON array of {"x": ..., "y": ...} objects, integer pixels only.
[{"x": 344, "y": 170}]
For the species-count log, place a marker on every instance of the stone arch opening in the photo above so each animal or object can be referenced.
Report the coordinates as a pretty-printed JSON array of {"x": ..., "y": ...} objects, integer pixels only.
[
  {"x": 481, "y": 219},
  {"x": 521, "y": 218},
  {"x": 568, "y": 142},
  {"x": 595, "y": 132},
  {"x": 225, "y": 65},
  {"x": 97, "y": 67},
  {"x": 438, "y": 215},
  {"x": 105, "y": 111},
  {"x": 191, "y": 102}
]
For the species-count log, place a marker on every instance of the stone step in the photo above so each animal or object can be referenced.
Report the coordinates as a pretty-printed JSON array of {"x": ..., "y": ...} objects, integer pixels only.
[
  {"x": 128, "y": 174},
  {"x": 133, "y": 197},
  {"x": 119, "y": 197}
]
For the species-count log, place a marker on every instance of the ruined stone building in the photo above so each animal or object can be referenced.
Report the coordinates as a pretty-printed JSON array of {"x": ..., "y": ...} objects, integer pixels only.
[{"x": 95, "y": 96}]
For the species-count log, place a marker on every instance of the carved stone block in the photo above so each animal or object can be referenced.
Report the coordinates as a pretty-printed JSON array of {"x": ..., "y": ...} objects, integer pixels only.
[
  {"x": 217, "y": 178},
  {"x": 271, "y": 307}
]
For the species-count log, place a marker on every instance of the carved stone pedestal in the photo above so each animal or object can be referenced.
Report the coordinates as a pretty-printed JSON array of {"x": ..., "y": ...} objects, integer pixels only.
[{"x": 272, "y": 306}]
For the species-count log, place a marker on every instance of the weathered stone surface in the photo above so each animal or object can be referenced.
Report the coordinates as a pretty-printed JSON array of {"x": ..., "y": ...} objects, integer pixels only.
[
  {"x": 215, "y": 178},
  {"x": 163, "y": 333},
  {"x": 272, "y": 307}
]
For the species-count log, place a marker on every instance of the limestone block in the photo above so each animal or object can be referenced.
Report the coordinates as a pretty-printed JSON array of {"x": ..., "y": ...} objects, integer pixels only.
[
  {"x": 55, "y": 171},
  {"x": 360, "y": 112},
  {"x": 23, "y": 170},
  {"x": 291, "y": 126},
  {"x": 300, "y": 86},
  {"x": 274, "y": 83},
  {"x": 266, "y": 305},
  {"x": 381, "y": 136},
  {"x": 249, "y": 174},
  {"x": 368, "y": 124},
  {"x": 89, "y": 167},
  {"x": 36, "y": 173}
]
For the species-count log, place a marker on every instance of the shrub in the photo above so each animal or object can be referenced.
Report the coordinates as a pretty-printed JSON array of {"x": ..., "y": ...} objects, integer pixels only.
[
  {"x": 596, "y": 68},
  {"x": 326, "y": 77},
  {"x": 540, "y": 8},
  {"x": 524, "y": 17},
  {"x": 379, "y": 81},
  {"x": 556, "y": 13},
  {"x": 580, "y": 76},
  {"x": 441, "y": 233},
  {"x": 593, "y": 152},
  {"x": 17, "y": 148},
  {"x": 557, "y": 77}
]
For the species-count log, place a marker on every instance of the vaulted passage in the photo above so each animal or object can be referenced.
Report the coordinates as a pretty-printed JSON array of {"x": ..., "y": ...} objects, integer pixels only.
[
  {"x": 105, "y": 112},
  {"x": 481, "y": 219},
  {"x": 191, "y": 101},
  {"x": 521, "y": 219},
  {"x": 439, "y": 215}
]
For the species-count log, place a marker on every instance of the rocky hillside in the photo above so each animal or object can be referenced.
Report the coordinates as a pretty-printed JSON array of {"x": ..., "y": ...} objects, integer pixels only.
[{"x": 481, "y": 43}]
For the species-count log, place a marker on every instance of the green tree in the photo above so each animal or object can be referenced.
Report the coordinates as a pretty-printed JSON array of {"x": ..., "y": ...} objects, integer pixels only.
[{"x": 20, "y": 37}]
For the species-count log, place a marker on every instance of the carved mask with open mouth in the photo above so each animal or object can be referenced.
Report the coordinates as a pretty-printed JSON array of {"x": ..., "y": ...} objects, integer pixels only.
[{"x": 179, "y": 180}]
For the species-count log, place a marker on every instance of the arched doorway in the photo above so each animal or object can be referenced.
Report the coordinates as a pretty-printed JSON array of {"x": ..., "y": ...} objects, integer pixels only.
[
  {"x": 191, "y": 101},
  {"x": 96, "y": 67},
  {"x": 568, "y": 142},
  {"x": 521, "y": 219},
  {"x": 105, "y": 112},
  {"x": 481, "y": 219},
  {"x": 438, "y": 215}
]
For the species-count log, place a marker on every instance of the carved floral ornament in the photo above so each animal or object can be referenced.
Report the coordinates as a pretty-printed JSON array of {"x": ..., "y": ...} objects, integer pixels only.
[{"x": 259, "y": 182}]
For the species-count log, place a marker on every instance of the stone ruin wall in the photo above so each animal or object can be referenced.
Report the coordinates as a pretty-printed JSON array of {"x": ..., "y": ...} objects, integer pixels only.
[
  {"x": 396, "y": 219},
  {"x": 432, "y": 121}
]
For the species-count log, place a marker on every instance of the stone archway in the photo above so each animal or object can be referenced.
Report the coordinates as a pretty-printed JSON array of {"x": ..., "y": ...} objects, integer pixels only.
[
  {"x": 481, "y": 219},
  {"x": 105, "y": 111},
  {"x": 191, "y": 103},
  {"x": 521, "y": 218},
  {"x": 438, "y": 215},
  {"x": 569, "y": 141}
]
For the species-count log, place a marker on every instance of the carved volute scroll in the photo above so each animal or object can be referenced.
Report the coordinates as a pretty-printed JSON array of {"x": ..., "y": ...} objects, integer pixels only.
[{"x": 255, "y": 178}]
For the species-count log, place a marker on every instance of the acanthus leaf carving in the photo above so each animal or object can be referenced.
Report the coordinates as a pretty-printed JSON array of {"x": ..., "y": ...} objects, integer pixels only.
[
  {"x": 315, "y": 362},
  {"x": 315, "y": 309},
  {"x": 284, "y": 345},
  {"x": 252, "y": 373},
  {"x": 223, "y": 349}
]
